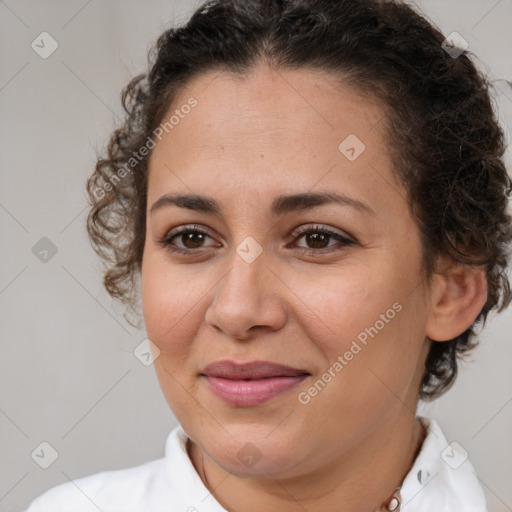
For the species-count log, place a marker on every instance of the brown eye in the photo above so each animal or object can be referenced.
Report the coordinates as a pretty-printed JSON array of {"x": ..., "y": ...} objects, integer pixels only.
[
  {"x": 187, "y": 239},
  {"x": 318, "y": 238},
  {"x": 191, "y": 239}
]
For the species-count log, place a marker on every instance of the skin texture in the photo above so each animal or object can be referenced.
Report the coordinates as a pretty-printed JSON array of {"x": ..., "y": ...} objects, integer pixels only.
[{"x": 247, "y": 141}]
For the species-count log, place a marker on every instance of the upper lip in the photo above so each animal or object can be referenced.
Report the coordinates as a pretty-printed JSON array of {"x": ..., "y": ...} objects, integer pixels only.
[{"x": 250, "y": 370}]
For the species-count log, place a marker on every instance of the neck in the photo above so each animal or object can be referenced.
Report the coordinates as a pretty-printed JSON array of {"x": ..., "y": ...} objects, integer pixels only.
[{"x": 362, "y": 478}]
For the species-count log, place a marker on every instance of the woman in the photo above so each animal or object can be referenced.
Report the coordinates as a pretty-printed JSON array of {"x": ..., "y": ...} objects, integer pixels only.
[{"x": 313, "y": 196}]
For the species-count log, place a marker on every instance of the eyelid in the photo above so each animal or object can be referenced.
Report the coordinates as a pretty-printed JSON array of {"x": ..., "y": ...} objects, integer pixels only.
[
  {"x": 187, "y": 227},
  {"x": 299, "y": 231},
  {"x": 318, "y": 227}
]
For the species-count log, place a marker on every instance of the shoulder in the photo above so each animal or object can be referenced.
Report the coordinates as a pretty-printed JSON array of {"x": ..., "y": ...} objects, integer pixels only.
[
  {"x": 147, "y": 486},
  {"x": 124, "y": 489}
]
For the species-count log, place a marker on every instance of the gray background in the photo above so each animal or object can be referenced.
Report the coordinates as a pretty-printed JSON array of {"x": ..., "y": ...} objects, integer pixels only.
[{"x": 67, "y": 372}]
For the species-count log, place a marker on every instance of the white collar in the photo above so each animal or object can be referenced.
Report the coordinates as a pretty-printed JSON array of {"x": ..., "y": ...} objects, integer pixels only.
[{"x": 441, "y": 477}]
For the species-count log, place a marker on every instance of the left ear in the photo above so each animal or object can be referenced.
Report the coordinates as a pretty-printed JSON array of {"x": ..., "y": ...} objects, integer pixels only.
[{"x": 458, "y": 294}]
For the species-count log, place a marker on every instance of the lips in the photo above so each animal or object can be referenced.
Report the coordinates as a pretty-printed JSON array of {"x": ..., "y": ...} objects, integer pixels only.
[
  {"x": 250, "y": 384},
  {"x": 251, "y": 370}
]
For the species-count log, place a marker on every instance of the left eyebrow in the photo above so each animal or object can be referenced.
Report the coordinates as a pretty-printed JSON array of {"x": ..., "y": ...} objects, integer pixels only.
[{"x": 281, "y": 205}]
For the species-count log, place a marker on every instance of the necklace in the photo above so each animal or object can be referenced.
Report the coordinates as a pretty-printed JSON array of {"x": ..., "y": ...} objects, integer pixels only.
[{"x": 392, "y": 504}]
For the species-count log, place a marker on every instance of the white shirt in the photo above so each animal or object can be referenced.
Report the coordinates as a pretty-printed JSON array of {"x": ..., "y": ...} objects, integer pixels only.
[{"x": 441, "y": 479}]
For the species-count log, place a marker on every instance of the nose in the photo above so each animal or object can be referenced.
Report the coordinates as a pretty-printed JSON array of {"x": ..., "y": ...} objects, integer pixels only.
[{"x": 249, "y": 299}]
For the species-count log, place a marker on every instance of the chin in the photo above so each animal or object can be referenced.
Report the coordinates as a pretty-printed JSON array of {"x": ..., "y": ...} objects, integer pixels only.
[{"x": 255, "y": 459}]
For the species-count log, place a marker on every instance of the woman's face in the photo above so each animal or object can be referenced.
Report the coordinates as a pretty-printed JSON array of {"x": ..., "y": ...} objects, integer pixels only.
[{"x": 349, "y": 311}]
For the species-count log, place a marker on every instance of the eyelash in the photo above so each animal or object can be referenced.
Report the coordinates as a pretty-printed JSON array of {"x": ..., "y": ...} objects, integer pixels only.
[{"x": 167, "y": 244}]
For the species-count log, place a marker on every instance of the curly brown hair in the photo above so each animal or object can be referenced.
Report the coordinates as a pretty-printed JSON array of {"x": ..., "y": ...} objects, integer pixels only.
[{"x": 447, "y": 143}]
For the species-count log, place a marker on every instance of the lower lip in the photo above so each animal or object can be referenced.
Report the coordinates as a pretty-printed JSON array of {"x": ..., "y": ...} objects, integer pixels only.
[{"x": 251, "y": 392}]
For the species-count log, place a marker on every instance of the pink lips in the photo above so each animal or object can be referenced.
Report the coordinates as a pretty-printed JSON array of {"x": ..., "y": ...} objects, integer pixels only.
[{"x": 250, "y": 383}]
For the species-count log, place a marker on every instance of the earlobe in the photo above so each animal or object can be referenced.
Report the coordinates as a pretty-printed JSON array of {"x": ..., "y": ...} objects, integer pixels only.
[{"x": 458, "y": 294}]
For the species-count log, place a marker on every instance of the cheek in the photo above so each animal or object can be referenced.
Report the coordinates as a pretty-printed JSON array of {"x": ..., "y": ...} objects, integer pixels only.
[
  {"x": 171, "y": 298},
  {"x": 335, "y": 307},
  {"x": 170, "y": 317},
  {"x": 373, "y": 323}
]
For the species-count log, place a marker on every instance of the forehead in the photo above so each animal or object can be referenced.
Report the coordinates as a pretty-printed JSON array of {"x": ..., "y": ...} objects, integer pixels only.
[
  {"x": 271, "y": 127},
  {"x": 269, "y": 99}
]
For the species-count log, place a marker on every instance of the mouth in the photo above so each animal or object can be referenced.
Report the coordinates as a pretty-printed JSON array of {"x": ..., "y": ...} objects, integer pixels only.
[
  {"x": 251, "y": 370},
  {"x": 252, "y": 383}
]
